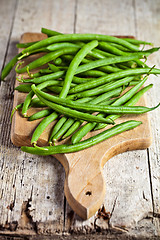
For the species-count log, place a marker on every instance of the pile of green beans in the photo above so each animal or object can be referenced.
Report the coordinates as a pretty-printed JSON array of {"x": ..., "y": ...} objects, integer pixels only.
[{"x": 84, "y": 82}]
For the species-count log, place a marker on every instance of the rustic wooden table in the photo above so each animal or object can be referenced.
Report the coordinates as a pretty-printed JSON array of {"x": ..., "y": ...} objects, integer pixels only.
[{"x": 32, "y": 199}]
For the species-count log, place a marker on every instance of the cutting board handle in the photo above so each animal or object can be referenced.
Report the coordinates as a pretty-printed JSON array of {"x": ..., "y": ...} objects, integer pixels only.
[{"x": 84, "y": 184}]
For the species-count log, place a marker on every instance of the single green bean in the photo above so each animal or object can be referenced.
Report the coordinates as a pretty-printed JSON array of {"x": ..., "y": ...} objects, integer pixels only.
[
  {"x": 44, "y": 78},
  {"x": 40, "y": 114},
  {"x": 53, "y": 67},
  {"x": 137, "y": 42},
  {"x": 46, "y": 58},
  {"x": 49, "y": 32},
  {"x": 57, "y": 46},
  {"x": 23, "y": 88},
  {"x": 51, "y": 150},
  {"x": 6, "y": 70},
  {"x": 58, "y": 61},
  {"x": 73, "y": 66},
  {"x": 41, "y": 127},
  {"x": 25, "y": 45},
  {"x": 45, "y": 71}
]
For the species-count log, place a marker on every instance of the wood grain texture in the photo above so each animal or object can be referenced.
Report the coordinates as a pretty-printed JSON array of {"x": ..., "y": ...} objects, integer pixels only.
[
  {"x": 150, "y": 12},
  {"x": 132, "y": 192},
  {"x": 19, "y": 188}
]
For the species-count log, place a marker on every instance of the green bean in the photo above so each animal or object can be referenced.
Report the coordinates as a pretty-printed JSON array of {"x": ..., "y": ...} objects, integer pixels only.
[
  {"x": 70, "y": 121},
  {"x": 45, "y": 71},
  {"x": 113, "y": 76},
  {"x": 71, "y": 113},
  {"x": 44, "y": 78},
  {"x": 93, "y": 107},
  {"x": 107, "y": 61},
  {"x": 79, "y": 37},
  {"x": 53, "y": 67},
  {"x": 120, "y": 47},
  {"x": 51, "y": 150},
  {"x": 25, "y": 45},
  {"x": 26, "y": 103},
  {"x": 109, "y": 69},
  {"x": 136, "y": 41},
  {"x": 58, "y": 61},
  {"x": 81, "y": 80},
  {"x": 93, "y": 74},
  {"x": 35, "y": 102},
  {"x": 6, "y": 70},
  {"x": 102, "y": 89},
  {"x": 41, "y": 127},
  {"x": 40, "y": 114},
  {"x": 57, "y": 46},
  {"x": 73, "y": 66},
  {"x": 55, "y": 89},
  {"x": 19, "y": 106},
  {"x": 49, "y": 32},
  {"x": 23, "y": 88},
  {"x": 46, "y": 58}
]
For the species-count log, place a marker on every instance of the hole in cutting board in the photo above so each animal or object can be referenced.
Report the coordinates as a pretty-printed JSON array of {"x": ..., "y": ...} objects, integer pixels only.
[{"x": 88, "y": 193}]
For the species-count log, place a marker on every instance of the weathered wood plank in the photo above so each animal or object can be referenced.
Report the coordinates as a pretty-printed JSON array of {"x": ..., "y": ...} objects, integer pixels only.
[
  {"x": 128, "y": 197},
  {"x": 148, "y": 25},
  {"x": 31, "y": 188},
  {"x": 6, "y": 26}
]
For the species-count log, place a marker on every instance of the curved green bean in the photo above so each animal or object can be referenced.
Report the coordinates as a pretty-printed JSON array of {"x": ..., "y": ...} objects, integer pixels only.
[
  {"x": 40, "y": 114},
  {"x": 46, "y": 58},
  {"x": 6, "y": 70},
  {"x": 73, "y": 66}
]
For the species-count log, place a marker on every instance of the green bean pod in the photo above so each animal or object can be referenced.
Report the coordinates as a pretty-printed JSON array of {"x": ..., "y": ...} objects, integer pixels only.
[
  {"x": 46, "y": 58},
  {"x": 40, "y": 114},
  {"x": 73, "y": 66},
  {"x": 6, "y": 70}
]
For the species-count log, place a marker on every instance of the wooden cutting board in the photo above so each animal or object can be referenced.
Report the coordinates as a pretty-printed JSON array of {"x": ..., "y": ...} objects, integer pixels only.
[{"x": 84, "y": 184}]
